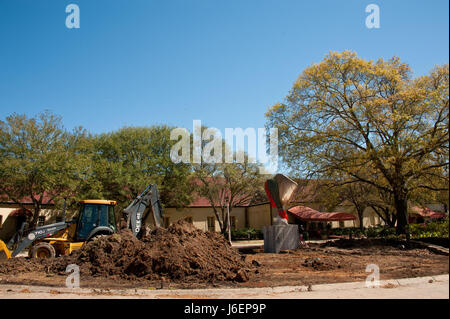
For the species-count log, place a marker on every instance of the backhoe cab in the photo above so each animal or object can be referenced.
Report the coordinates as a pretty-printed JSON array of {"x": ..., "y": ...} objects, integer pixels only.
[{"x": 96, "y": 217}]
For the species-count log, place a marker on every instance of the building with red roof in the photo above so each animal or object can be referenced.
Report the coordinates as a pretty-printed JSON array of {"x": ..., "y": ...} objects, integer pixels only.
[{"x": 305, "y": 207}]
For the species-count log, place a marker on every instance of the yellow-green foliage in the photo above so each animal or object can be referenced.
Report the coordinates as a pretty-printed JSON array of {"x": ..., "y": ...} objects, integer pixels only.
[
  {"x": 433, "y": 229},
  {"x": 371, "y": 122}
]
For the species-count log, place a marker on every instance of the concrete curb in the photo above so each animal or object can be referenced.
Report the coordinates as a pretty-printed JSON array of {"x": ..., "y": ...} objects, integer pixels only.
[{"x": 55, "y": 292}]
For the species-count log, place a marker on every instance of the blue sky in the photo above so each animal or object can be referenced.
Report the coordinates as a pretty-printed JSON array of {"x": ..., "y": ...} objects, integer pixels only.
[{"x": 145, "y": 62}]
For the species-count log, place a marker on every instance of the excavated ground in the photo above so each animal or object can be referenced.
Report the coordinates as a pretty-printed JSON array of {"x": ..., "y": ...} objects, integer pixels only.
[
  {"x": 181, "y": 253},
  {"x": 185, "y": 257}
]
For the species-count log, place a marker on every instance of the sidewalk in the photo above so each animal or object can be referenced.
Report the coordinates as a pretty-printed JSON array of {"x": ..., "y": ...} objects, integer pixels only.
[{"x": 432, "y": 287}]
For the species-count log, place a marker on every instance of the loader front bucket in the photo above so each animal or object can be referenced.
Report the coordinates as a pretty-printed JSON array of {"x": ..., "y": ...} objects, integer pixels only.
[{"x": 4, "y": 251}]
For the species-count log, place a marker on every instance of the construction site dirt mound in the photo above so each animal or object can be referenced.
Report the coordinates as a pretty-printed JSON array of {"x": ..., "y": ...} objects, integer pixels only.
[{"x": 180, "y": 253}]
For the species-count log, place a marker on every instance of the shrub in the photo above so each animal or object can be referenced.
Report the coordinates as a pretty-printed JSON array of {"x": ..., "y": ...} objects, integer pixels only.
[
  {"x": 431, "y": 229},
  {"x": 371, "y": 232},
  {"x": 380, "y": 231},
  {"x": 246, "y": 233},
  {"x": 355, "y": 231},
  {"x": 426, "y": 230}
]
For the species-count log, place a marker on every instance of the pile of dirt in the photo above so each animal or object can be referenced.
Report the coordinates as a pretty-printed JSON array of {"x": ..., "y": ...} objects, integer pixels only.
[
  {"x": 319, "y": 263},
  {"x": 19, "y": 265},
  {"x": 180, "y": 253}
]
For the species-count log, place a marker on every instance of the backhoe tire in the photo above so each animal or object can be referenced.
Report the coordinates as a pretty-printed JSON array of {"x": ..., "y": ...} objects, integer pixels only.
[{"x": 42, "y": 250}]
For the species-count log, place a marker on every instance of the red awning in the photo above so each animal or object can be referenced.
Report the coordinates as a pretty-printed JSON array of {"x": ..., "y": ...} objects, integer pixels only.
[
  {"x": 426, "y": 212},
  {"x": 309, "y": 214}
]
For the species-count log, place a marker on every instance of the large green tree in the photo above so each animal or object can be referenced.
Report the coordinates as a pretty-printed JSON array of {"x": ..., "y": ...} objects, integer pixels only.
[
  {"x": 40, "y": 161},
  {"x": 125, "y": 161},
  {"x": 345, "y": 115}
]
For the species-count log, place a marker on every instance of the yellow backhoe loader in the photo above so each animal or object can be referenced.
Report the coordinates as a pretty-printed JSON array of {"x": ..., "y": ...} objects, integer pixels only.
[{"x": 95, "y": 218}]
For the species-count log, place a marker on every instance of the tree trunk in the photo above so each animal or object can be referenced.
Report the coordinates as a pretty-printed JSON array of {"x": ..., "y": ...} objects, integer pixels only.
[
  {"x": 401, "y": 207},
  {"x": 218, "y": 219},
  {"x": 225, "y": 222},
  {"x": 37, "y": 211},
  {"x": 361, "y": 218}
]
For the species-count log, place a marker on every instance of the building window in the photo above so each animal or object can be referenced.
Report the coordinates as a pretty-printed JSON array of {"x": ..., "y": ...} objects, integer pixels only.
[
  {"x": 166, "y": 222},
  {"x": 233, "y": 222},
  {"x": 188, "y": 219},
  {"x": 211, "y": 224},
  {"x": 341, "y": 224},
  {"x": 41, "y": 220}
]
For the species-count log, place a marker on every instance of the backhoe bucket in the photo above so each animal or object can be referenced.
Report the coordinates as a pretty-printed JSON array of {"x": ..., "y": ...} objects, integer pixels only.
[{"x": 4, "y": 251}]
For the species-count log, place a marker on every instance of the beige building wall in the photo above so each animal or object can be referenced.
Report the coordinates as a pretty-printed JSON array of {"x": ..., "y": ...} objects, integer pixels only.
[
  {"x": 4, "y": 213},
  {"x": 8, "y": 225},
  {"x": 49, "y": 213},
  {"x": 259, "y": 216},
  {"x": 370, "y": 218},
  {"x": 199, "y": 216},
  {"x": 346, "y": 223}
]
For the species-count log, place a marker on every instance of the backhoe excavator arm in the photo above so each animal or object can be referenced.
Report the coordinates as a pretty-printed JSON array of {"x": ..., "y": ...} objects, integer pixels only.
[
  {"x": 139, "y": 209},
  {"x": 38, "y": 234},
  {"x": 24, "y": 239}
]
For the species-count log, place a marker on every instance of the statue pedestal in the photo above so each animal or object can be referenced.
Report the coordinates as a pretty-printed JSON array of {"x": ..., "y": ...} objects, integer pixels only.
[{"x": 280, "y": 237}]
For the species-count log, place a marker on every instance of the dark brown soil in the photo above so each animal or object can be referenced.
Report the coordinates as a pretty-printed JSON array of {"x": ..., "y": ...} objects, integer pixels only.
[
  {"x": 181, "y": 253},
  {"x": 185, "y": 257},
  {"x": 440, "y": 241},
  {"x": 344, "y": 261}
]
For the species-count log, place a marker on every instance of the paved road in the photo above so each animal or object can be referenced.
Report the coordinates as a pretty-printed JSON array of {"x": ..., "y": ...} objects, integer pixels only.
[{"x": 436, "y": 287}]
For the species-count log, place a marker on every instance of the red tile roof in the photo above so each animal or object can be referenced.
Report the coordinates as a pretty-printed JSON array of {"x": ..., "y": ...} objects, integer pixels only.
[
  {"x": 27, "y": 200},
  {"x": 201, "y": 201},
  {"x": 426, "y": 212}
]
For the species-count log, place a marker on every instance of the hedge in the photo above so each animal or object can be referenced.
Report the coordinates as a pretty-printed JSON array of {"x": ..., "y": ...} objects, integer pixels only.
[
  {"x": 246, "y": 233},
  {"x": 426, "y": 230}
]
